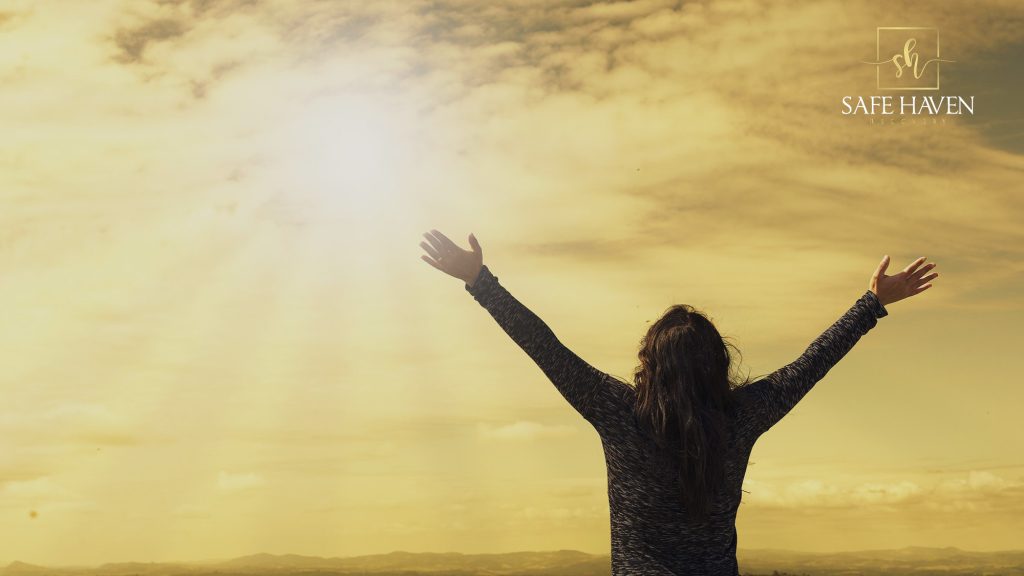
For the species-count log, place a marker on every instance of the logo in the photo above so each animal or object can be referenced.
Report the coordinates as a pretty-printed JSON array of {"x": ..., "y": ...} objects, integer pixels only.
[{"x": 907, "y": 58}]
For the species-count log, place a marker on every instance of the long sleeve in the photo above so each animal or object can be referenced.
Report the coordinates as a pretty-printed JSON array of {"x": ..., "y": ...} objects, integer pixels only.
[
  {"x": 594, "y": 394},
  {"x": 776, "y": 394}
]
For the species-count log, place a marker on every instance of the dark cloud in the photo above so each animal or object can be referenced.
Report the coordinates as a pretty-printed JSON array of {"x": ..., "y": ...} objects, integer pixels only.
[
  {"x": 994, "y": 78},
  {"x": 10, "y": 19},
  {"x": 201, "y": 7},
  {"x": 132, "y": 42},
  {"x": 200, "y": 87},
  {"x": 598, "y": 250}
]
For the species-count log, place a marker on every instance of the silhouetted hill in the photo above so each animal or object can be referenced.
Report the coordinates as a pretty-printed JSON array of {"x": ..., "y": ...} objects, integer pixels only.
[
  {"x": 567, "y": 562},
  {"x": 141, "y": 568},
  {"x": 910, "y": 561},
  {"x": 23, "y": 569}
]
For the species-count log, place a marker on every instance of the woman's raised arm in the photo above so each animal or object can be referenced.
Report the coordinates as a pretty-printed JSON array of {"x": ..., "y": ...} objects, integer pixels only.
[
  {"x": 780, "y": 391},
  {"x": 594, "y": 394}
]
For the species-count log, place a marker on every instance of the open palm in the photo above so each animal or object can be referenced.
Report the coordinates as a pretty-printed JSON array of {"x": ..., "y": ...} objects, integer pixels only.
[
  {"x": 447, "y": 257},
  {"x": 904, "y": 284}
]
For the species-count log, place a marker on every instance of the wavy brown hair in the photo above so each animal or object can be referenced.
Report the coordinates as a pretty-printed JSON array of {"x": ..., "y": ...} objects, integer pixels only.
[{"x": 684, "y": 383}]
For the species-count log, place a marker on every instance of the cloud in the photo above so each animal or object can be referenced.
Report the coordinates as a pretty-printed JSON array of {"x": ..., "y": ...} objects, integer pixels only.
[
  {"x": 36, "y": 488},
  {"x": 523, "y": 430},
  {"x": 239, "y": 482},
  {"x": 619, "y": 11},
  {"x": 191, "y": 511},
  {"x": 72, "y": 423},
  {"x": 818, "y": 493},
  {"x": 6, "y": 19},
  {"x": 980, "y": 489},
  {"x": 132, "y": 42},
  {"x": 561, "y": 514},
  {"x": 978, "y": 481},
  {"x": 43, "y": 495}
]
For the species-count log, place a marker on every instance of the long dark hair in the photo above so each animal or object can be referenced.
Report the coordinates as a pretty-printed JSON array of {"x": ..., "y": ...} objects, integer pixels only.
[{"x": 684, "y": 400}]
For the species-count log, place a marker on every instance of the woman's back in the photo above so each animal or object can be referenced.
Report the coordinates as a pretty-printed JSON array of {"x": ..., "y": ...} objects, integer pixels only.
[
  {"x": 650, "y": 530},
  {"x": 651, "y": 533}
]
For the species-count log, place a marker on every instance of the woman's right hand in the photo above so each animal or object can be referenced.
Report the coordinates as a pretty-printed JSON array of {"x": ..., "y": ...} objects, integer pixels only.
[
  {"x": 908, "y": 282},
  {"x": 447, "y": 257}
]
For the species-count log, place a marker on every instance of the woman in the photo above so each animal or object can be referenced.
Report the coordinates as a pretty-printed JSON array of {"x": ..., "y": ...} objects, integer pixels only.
[{"x": 677, "y": 441}]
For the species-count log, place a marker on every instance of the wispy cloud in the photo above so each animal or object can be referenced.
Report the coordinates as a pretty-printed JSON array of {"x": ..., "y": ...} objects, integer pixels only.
[
  {"x": 239, "y": 481},
  {"x": 90, "y": 424},
  {"x": 523, "y": 430},
  {"x": 41, "y": 497},
  {"x": 977, "y": 490}
]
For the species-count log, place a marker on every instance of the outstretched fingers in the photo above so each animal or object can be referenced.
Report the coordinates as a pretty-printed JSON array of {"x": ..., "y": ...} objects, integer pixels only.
[
  {"x": 927, "y": 278},
  {"x": 430, "y": 250},
  {"x": 918, "y": 282},
  {"x": 912, "y": 267},
  {"x": 444, "y": 240},
  {"x": 922, "y": 271},
  {"x": 439, "y": 247},
  {"x": 430, "y": 261},
  {"x": 921, "y": 289}
]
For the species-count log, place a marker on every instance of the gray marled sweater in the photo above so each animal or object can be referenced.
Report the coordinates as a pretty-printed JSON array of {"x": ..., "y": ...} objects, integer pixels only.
[{"x": 650, "y": 534}]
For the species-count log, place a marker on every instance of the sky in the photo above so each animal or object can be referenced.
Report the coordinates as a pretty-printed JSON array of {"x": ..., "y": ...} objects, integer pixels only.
[{"x": 219, "y": 338}]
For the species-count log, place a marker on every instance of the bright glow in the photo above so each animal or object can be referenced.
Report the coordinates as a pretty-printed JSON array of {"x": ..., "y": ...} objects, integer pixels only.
[{"x": 351, "y": 153}]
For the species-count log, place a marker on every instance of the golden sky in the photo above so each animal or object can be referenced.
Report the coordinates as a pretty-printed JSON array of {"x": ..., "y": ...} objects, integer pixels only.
[{"x": 218, "y": 337}]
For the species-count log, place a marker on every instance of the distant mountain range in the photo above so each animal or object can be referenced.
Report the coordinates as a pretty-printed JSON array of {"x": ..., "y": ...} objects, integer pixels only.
[{"x": 911, "y": 561}]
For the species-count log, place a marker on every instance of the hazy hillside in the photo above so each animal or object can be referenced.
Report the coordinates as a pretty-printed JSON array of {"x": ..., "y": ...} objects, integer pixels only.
[{"x": 912, "y": 561}]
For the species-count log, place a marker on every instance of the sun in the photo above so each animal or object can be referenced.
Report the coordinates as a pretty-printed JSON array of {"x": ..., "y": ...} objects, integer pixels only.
[{"x": 352, "y": 153}]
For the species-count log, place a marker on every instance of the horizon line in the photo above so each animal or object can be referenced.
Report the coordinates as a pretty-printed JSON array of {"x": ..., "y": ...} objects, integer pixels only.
[{"x": 4, "y": 565}]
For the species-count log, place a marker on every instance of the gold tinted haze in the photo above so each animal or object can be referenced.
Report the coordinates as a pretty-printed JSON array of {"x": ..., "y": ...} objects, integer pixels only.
[{"x": 218, "y": 337}]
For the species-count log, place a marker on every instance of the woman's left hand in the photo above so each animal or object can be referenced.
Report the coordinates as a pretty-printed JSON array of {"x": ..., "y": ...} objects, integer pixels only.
[{"x": 452, "y": 260}]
